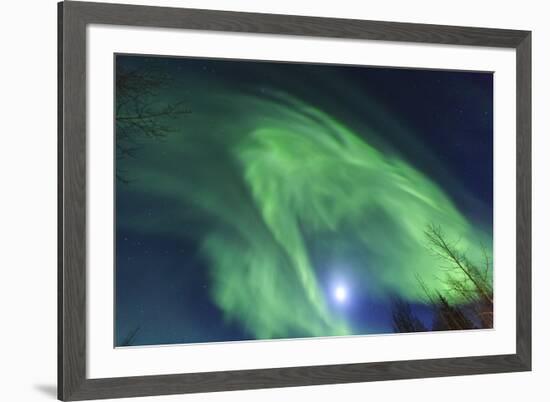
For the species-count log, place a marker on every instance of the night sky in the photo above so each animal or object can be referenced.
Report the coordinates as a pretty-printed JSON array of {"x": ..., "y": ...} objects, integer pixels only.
[{"x": 262, "y": 200}]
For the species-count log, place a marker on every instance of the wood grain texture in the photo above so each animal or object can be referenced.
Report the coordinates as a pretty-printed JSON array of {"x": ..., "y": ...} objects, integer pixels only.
[
  {"x": 523, "y": 200},
  {"x": 73, "y": 19},
  {"x": 230, "y": 21},
  {"x": 60, "y": 204},
  {"x": 294, "y": 376},
  {"x": 72, "y": 286}
]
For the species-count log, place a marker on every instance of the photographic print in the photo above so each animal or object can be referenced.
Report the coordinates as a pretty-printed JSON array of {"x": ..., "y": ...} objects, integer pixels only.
[{"x": 260, "y": 200}]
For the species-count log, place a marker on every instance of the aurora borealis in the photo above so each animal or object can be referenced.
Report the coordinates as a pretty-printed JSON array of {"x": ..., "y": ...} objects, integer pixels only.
[{"x": 291, "y": 200}]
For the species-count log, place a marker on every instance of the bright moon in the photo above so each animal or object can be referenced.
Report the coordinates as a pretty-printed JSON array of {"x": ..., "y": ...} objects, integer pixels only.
[{"x": 341, "y": 294}]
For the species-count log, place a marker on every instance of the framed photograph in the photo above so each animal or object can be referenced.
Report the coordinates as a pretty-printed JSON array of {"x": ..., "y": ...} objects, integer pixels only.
[{"x": 256, "y": 201}]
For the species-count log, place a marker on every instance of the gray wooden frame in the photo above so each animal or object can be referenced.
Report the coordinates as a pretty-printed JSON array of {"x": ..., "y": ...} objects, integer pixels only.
[{"x": 73, "y": 17}]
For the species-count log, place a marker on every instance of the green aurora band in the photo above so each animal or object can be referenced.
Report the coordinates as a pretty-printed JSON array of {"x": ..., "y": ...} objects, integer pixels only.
[{"x": 282, "y": 189}]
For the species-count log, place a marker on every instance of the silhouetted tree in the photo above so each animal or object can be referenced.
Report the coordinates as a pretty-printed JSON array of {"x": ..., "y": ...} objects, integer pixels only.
[
  {"x": 131, "y": 337},
  {"x": 403, "y": 318},
  {"x": 464, "y": 280},
  {"x": 140, "y": 114},
  {"x": 448, "y": 317},
  {"x": 472, "y": 285}
]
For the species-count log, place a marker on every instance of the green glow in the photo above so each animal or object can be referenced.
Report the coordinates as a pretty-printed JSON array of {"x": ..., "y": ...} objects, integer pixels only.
[{"x": 268, "y": 185}]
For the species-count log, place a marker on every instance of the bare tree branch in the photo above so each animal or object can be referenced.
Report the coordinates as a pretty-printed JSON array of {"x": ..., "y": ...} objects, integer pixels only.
[{"x": 139, "y": 113}]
